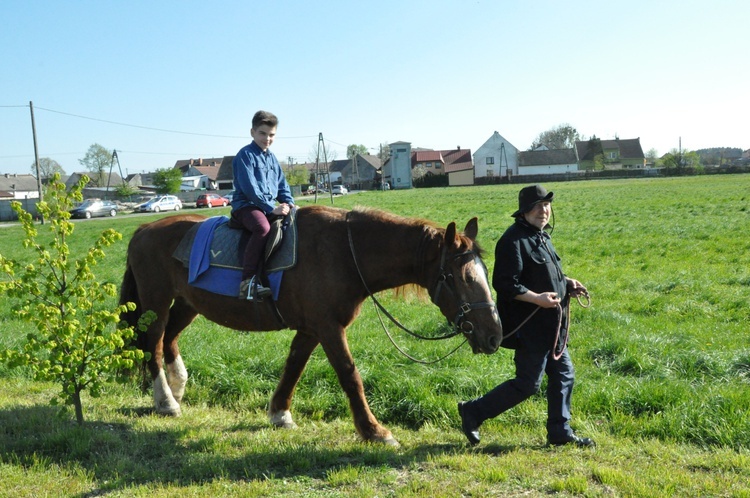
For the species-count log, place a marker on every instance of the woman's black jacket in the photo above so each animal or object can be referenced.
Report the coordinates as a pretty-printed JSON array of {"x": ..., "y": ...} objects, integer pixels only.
[{"x": 526, "y": 260}]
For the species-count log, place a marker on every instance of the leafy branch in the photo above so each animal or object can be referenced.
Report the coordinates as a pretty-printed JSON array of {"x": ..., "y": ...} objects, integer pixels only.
[{"x": 79, "y": 340}]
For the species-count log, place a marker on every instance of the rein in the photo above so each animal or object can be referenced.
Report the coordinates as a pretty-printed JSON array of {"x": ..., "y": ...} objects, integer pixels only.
[{"x": 457, "y": 324}]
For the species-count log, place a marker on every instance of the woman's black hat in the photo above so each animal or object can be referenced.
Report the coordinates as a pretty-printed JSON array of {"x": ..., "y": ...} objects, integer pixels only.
[{"x": 530, "y": 196}]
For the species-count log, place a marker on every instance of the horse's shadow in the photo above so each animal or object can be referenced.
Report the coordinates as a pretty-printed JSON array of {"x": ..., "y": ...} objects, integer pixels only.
[{"x": 119, "y": 456}]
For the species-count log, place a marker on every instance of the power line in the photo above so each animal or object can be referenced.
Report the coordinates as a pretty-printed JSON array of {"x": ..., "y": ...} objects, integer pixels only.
[
  {"x": 137, "y": 126},
  {"x": 164, "y": 130}
]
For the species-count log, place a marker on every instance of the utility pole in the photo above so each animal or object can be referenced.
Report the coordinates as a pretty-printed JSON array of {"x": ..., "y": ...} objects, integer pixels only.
[
  {"x": 327, "y": 177},
  {"x": 356, "y": 170},
  {"x": 36, "y": 157}
]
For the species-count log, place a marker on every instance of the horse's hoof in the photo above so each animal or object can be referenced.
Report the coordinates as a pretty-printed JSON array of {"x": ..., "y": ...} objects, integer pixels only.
[
  {"x": 282, "y": 420},
  {"x": 287, "y": 425},
  {"x": 388, "y": 441},
  {"x": 391, "y": 441},
  {"x": 169, "y": 411}
]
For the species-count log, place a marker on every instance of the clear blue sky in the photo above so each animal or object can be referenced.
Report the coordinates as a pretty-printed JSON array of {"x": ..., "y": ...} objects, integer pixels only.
[{"x": 130, "y": 75}]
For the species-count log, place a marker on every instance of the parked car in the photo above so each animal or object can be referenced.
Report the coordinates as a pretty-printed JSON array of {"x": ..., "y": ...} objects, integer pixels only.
[
  {"x": 94, "y": 207},
  {"x": 339, "y": 190},
  {"x": 160, "y": 203},
  {"x": 211, "y": 200}
]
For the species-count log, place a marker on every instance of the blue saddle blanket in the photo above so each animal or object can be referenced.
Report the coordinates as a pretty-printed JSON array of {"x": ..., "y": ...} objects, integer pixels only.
[{"x": 213, "y": 252}]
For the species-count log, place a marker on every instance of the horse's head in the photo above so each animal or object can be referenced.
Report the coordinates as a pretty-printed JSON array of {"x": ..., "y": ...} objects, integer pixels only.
[{"x": 462, "y": 290}]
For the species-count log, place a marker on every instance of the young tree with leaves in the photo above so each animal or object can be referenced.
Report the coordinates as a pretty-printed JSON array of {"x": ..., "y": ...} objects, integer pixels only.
[
  {"x": 168, "y": 180},
  {"x": 79, "y": 341},
  {"x": 97, "y": 160}
]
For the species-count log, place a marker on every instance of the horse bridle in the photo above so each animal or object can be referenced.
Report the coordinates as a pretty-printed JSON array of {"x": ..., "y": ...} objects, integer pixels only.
[{"x": 444, "y": 279}]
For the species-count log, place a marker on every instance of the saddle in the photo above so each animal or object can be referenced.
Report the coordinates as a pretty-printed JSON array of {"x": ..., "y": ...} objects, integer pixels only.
[{"x": 212, "y": 251}]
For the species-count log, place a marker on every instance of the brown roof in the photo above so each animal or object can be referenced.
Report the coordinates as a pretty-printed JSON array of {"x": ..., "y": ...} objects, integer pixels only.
[
  {"x": 453, "y": 159},
  {"x": 421, "y": 156},
  {"x": 210, "y": 171}
]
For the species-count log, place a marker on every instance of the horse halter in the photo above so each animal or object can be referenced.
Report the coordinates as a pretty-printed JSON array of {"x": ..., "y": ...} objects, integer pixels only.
[{"x": 446, "y": 280}]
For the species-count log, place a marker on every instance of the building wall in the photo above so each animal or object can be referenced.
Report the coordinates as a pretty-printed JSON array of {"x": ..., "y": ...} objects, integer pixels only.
[
  {"x": 399, "y": 173},
  {"x": 503, "y": 155},
  {"x": 547, "y": 169},
  {"x": 458, "y": 178}
]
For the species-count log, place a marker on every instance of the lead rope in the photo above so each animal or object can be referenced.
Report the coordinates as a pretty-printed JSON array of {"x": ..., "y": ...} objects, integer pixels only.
[{"x": 559, "y": 323}]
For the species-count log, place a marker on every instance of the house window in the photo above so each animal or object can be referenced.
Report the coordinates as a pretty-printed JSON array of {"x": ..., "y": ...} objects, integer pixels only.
[
  {"x": 490, "y": 160},
  {"x": 437, "y": 165},
  {"x": 613, "y": 155}
]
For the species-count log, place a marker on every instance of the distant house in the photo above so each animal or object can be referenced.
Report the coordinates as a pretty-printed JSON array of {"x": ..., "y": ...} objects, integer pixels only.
[
  {"x": 134, "y": 180},
  {"x": 225, "y": 176},
  {"x": 496, "y": 157},
  {"x": 200, "y": 173},
  {"x": 335, "y": 168},
  {"x": 430, "y": 162},
  {"x": 361, "y": 171},
  {"x": 17, "y": 187},
  {"x": 460, "y": 169},
  {"x": 613, "y": 154},
  {"x": 108, "y": 181},
  {"x": 439, "y": 162},
  {"x": 544, "y": 161}
]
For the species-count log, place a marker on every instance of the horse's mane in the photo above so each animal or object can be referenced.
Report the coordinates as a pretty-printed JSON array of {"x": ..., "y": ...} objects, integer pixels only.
[{"x": 429, "y": 227}]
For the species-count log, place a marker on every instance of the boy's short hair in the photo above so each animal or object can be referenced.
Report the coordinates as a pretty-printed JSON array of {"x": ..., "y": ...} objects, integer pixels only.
[{"x": 265, "y": 118}]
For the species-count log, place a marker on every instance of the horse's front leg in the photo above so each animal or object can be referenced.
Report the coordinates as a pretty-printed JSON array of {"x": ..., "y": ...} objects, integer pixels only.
[
  {"x": 299, "y": 353},
  {"x": 368, "y": 427}
]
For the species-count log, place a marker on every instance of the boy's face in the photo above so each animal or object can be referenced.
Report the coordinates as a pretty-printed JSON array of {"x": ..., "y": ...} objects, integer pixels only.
[{"x": 263, "y": 136}]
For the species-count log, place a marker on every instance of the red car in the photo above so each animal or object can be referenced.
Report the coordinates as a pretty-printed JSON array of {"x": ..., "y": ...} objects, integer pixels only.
[{"x": 211, "y": 200}]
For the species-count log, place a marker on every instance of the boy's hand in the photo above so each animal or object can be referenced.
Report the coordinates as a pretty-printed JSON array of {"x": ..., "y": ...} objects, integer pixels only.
[{"x": 281, "y": 210}]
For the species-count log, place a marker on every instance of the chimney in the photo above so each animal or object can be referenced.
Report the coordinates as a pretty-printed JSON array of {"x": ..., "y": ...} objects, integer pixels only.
[{"x": 458, "y": 147}]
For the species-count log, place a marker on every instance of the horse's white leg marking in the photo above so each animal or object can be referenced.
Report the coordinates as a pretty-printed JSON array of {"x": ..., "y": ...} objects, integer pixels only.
[
  {"x": 282, "y": 419},
  {"x": 177, "y": 377},
  {"x": 164, "y": 402}
]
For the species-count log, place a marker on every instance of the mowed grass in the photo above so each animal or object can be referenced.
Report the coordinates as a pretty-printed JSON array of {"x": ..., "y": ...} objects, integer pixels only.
[{"x": 662, "y": 359}]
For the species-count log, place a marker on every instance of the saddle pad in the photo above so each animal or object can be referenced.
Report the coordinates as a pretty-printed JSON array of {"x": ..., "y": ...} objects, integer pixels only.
[{"x": 212, "y": 252}]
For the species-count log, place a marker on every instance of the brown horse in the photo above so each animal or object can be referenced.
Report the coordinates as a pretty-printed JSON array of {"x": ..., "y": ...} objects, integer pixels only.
[{"x": 342, "y": 256}]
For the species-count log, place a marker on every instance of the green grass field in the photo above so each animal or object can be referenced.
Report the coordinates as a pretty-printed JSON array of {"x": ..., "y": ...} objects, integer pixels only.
[{"x": 662, "y": 360}]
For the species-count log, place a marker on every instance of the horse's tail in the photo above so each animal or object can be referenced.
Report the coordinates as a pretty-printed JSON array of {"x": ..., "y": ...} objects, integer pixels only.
[{"x": 129, "y": 294}]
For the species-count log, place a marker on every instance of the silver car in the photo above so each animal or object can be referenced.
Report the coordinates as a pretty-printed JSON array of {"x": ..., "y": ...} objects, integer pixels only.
[{"x": 160, "y": 203}]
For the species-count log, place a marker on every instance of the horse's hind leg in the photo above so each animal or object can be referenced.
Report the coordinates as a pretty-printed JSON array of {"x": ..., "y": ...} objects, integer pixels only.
[
  {"x": 299, "y": 353},
  {"x": 181, "y": 315}
]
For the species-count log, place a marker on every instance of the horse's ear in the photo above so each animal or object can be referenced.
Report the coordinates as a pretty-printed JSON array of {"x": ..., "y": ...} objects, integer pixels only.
[
  {"x": 451, "y": 239},
  {"x": 472, "y": 228}
]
